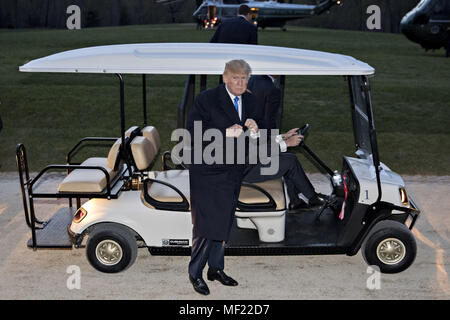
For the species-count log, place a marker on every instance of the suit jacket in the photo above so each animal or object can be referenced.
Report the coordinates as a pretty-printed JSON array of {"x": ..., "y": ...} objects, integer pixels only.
[
  {"x": 269, "y": 99},
  {"x": 214, "y": 189},
  {"x": 236, "y": 30}
]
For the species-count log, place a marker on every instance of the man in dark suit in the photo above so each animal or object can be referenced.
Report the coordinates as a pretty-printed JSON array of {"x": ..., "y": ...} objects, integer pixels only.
[
  {"x": 294, "y": 176},
  {"x": 268, "y": 96},
  {"x": 237, "y": 30},
  {"x": 269, "y": 99},
  {"x": 215, "y": 187}
]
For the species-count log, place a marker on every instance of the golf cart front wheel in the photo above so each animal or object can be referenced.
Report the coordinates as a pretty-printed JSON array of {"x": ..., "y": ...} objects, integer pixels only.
[
  {"x": 390, "y": 246},
  {"x": 111, "y": 248}
]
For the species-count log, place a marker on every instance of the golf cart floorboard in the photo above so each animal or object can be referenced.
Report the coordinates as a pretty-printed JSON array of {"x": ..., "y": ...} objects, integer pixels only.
[
  {"x": 304, "y": 235},
  {"x": 54, "y": 232}
]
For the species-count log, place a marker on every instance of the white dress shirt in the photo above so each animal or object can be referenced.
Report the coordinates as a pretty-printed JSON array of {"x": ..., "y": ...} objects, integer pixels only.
[{"x": 254, "y": 135}]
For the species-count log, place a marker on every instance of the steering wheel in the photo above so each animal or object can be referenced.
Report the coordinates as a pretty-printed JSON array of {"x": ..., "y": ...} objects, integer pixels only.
[{"x": 303, "y": 130}]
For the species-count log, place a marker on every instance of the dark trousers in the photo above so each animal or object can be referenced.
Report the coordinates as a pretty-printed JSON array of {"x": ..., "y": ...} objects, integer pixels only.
[
  {"x": 289, "y": 168},
  {"x": 206, "y": 250}
]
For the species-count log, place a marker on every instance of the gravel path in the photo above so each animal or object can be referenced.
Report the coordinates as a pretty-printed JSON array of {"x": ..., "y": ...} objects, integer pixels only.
[{"x": 48, "y": 274}]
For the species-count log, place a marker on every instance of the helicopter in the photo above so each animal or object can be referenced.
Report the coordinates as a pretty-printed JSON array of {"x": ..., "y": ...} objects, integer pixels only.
[
  {"x": 264, "y": 13},
  {"x": 428, "y": 24}
]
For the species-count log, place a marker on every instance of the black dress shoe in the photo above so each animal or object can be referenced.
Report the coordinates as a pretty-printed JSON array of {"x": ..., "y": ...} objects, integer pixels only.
[
  {"x": 298, "y": 204},
  {"x": 221, "y": 277},
  {"x": 318, "y": 200},
  {"x": 199, "y": 285}
]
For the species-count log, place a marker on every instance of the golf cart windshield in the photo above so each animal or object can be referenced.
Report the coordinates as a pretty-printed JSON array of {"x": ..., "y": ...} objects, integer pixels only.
[{"x": 362, "y": 116}]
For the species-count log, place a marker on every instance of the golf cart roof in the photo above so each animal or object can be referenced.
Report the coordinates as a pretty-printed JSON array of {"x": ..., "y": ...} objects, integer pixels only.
[{"x": 196, "y": 58}]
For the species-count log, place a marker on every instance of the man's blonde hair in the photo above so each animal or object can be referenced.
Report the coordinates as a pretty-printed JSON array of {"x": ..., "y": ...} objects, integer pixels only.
[{"x": 237, "y": 66}]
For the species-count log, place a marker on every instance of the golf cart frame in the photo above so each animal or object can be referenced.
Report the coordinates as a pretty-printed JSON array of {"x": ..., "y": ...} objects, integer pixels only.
[{"x": 370, "y": 199}]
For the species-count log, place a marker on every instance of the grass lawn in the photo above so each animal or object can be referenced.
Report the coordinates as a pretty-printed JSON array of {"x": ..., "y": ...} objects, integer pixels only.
[{"x": 49, "y": 113}]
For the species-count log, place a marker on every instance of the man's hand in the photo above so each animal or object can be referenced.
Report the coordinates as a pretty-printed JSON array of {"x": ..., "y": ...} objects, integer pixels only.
[
  {"x": 294, "y": 140},
  {"x": 290, "y": 133},
  {"x": 251, "y": 125},
  {"x": 234, "y": 131}
]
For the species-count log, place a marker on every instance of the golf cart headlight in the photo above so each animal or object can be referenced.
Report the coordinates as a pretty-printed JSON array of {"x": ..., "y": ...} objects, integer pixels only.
[
  {"x": 403, "y": 196},
  {"x": 79, "y": 215}
]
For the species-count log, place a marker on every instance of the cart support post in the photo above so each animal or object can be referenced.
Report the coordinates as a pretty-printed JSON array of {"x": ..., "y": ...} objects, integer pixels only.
[
  {"x": 123, "y": 151},
  {"x": 187, "y": 102},
  {"x": 144, "y": 98},
  {"x": 372, "y": 133},
  {"x": 122, "y": 111},
  {"x": 203, "y": 82},
  {"x": 280, "y": 84},
  {"x": 22, "y": 164}
]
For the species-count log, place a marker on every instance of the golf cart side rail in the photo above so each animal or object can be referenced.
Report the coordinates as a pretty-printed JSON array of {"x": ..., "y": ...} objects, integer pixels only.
[
  {"x": 28, "y": 195},
  {"x": 78, "y": 146},
  {"x": 252, "y": 207},
  {"x": 182, "y": 205}
]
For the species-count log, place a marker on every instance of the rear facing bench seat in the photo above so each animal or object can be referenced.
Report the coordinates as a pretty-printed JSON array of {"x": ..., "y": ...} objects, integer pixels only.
[
  {"x": 88, "y": 180},
  {"x": 94, "y": 180}
]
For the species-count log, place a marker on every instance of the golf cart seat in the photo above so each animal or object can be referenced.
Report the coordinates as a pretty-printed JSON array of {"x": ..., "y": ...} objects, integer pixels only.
[
  {"x": 145, "y": 148},
  {"x": 261, "y": 205},
  {"x": 248, "y": 197},
  {"x": 151, "y": 133},
  {"x": 95, "y": 180},
  {"x": 87, "y": 181}
]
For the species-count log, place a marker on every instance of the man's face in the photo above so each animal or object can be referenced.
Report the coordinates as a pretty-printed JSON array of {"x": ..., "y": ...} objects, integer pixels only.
[{"x": 236, "y": 82}]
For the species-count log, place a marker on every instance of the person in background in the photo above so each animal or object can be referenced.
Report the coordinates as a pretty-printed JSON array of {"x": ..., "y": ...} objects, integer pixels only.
[
  {"x": 269, "y": 99},
  {"x": 238, "y": 30},
  {"x": 268, "y": 96}
]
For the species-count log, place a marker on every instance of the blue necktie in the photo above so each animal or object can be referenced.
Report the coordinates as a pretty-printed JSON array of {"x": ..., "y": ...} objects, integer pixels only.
[{"x": 236, "y": 105}]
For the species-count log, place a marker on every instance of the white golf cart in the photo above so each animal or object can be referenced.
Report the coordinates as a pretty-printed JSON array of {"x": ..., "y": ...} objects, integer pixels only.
[{"x": 131, "y": 206}]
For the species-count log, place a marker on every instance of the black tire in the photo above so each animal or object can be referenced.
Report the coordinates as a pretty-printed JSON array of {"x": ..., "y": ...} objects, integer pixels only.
[
  {"x": 391, "y": 246},
  {"x": 111, "y": 248}
]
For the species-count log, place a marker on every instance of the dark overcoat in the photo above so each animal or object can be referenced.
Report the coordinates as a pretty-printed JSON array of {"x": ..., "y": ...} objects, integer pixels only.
[
  {"x": 236, "y": 30},
  {"x": 214, "y": 188},
  {"x": 269, "y": 98}
]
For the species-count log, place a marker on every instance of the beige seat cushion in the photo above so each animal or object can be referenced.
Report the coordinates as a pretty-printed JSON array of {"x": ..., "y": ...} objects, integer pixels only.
[
  {"x": 151, "y": 133},
  {"x": 113, "y": 154},
  {"x": 114, "y": 151},
  {"x": 130, "y": 130},
  {"x": 143, "y": 152},
  {"x": 180, "y": 180},
  {"x": 87, "y": 180},
  {"x": 273, "y": 187}
]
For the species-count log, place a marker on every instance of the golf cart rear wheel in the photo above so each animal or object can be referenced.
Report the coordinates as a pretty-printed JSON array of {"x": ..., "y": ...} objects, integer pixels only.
[
  {"x": 111, "y": 248},
  {"x": 390, "y": 246}
]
